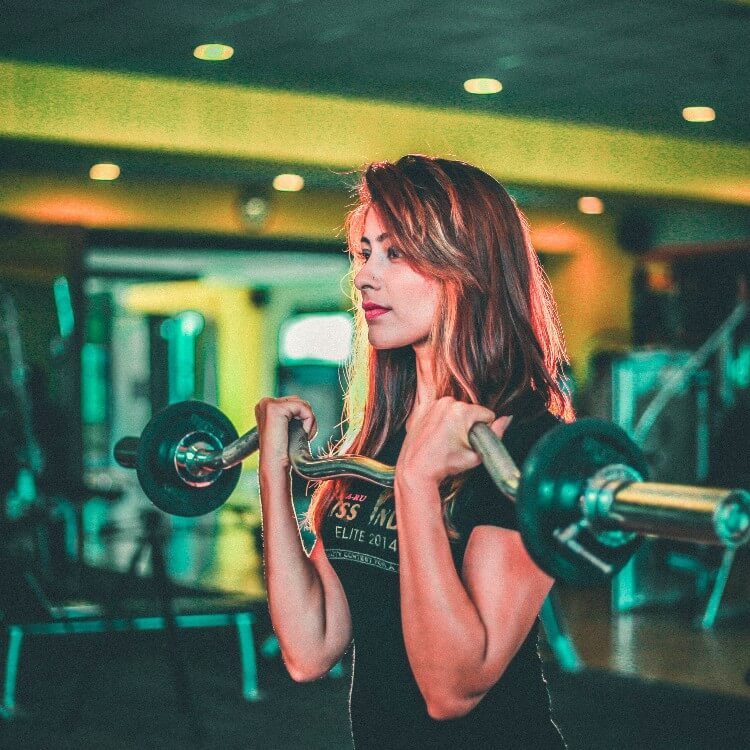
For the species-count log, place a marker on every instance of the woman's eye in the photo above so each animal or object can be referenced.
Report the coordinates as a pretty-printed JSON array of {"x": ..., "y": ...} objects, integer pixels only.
[{"x": 393, "y": 253}]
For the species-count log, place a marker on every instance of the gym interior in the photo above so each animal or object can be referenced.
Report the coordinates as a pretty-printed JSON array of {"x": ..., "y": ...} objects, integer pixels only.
[{"x": 171, "y": 230}]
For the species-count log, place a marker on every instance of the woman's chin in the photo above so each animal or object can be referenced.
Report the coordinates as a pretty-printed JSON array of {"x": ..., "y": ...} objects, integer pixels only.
[{"x": 380, "y": 342}]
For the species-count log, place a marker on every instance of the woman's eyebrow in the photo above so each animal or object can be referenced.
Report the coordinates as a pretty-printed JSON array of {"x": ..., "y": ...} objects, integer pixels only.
[{"x": 379, "y": 238}]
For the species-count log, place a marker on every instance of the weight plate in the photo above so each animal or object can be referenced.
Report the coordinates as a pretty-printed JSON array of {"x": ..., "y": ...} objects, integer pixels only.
[
  {"x": 155, "y": 459},
  {"x": 548, "y": 500}
]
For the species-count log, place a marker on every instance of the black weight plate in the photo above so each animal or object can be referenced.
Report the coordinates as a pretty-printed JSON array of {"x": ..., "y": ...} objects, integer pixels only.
[
  {"x": 552, "y": 481},
  {"x": 155, "y": 460}
]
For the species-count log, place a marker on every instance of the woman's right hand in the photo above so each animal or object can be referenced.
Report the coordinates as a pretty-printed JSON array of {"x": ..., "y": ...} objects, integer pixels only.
[{"x": 272, "y": 417}]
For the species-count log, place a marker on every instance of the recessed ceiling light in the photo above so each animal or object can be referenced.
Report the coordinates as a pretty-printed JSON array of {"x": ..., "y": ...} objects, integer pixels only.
[
  {"x": 213, "y": 52},
  {"x": 483, "y": 85},
  {"x": 699, "y": 114},
  {"x": 590, "y": 204},
  {"x": 288, "y": 183},
  {"x": 255, "y": 209},
  {"x": 104, "y": 171}
]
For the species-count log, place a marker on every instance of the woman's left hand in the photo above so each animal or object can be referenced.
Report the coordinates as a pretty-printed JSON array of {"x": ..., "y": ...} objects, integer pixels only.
[{"x": 437, "y": 445}]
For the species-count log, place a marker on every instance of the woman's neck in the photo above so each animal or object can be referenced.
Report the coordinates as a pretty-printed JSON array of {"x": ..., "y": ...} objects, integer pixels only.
[{"x": 425, "y": 391}]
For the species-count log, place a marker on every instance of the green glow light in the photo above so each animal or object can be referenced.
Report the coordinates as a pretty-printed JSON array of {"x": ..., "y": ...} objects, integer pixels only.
[
  {"x": 61, "y": 292},
  {"x": 93, "y": 383}
]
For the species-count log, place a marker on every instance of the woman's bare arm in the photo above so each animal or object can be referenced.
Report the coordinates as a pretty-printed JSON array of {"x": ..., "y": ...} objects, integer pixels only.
[
  {"x": 461, "y": 632},
  {"x": 309, "y": 611}
]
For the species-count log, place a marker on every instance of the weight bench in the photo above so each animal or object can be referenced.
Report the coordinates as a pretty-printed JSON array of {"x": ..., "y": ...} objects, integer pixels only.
[{"x": 199, "y": 612}]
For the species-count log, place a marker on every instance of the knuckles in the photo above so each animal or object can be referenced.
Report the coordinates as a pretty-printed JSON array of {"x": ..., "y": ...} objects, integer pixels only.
[
  {"x": 287, "y": 406},
  {"x": 448, "y": 407}
]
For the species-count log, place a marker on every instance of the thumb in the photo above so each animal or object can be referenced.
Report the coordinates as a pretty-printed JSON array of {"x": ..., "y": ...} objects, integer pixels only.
[{"x": 500, "y": 425}]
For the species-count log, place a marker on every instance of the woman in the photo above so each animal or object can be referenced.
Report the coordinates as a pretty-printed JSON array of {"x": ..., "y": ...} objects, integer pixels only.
[{"x": 431, "y": 580}]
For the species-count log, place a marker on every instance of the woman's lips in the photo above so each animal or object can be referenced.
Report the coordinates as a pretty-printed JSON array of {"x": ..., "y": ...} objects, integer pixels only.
[{"x": 375, "y": 312}]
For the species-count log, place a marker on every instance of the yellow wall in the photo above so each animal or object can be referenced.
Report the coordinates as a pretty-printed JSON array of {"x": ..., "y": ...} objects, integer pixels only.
[
  {"x": 104, "y": 109},
  {"x": 165, "y": 206},
  {"x": 151, "y": 114},
  {"x": 237, "y": 322},
  {"x": 590, "y": 274},
  {"x": 590, "y": 277}
]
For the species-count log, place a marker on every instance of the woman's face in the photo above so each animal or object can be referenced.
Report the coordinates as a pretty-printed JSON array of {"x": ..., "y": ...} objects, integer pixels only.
[{"x": 399, "y": 303}]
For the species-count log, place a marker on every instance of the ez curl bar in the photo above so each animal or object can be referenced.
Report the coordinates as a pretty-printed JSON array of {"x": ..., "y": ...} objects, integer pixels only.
[{"x": 582, "y": 504}]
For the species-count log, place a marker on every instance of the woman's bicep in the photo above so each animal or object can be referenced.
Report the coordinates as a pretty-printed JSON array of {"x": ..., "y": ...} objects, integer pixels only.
[{"x": 507, "y": 589}]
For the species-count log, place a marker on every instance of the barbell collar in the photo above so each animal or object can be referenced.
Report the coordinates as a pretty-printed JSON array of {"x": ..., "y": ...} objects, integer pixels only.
[
  {"x": 599, "y": 496},
  {"x": 196, "y": 459},
  {"x": 200, "y": 461}
]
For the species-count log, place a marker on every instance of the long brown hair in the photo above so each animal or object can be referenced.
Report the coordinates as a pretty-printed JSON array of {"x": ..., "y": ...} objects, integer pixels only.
[{"x": 496, "y": 337}]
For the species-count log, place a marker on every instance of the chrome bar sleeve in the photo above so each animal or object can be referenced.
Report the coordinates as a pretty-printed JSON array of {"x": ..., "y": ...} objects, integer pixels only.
[{"x": 673, "y": 511}]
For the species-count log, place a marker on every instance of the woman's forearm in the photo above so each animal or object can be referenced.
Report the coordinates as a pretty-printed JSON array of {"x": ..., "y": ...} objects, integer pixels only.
[
  {"x": 296, "y": 597},
  {"x": 445, "y": 638}
]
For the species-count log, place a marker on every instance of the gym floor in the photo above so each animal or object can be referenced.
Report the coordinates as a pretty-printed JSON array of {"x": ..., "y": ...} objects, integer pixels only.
[
  {"x": 661, "y": 643},
  {"x": 652, "y": 681}
]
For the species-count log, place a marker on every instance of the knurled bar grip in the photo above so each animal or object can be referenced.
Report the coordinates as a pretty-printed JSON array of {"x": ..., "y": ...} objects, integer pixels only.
[{"x": 360, "y": 467}]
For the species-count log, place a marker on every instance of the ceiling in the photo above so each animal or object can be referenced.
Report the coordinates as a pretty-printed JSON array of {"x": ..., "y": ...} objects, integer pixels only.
[
  {"x": 620, "y": 64},
  {"x": 627, "y": 64}
]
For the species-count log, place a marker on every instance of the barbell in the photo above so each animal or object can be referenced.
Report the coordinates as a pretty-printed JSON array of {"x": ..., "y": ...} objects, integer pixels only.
[{"x": 582, "y": 504}]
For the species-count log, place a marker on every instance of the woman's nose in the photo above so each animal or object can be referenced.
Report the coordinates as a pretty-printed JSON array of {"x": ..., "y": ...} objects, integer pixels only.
[{"x": 366, "y": 276}]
